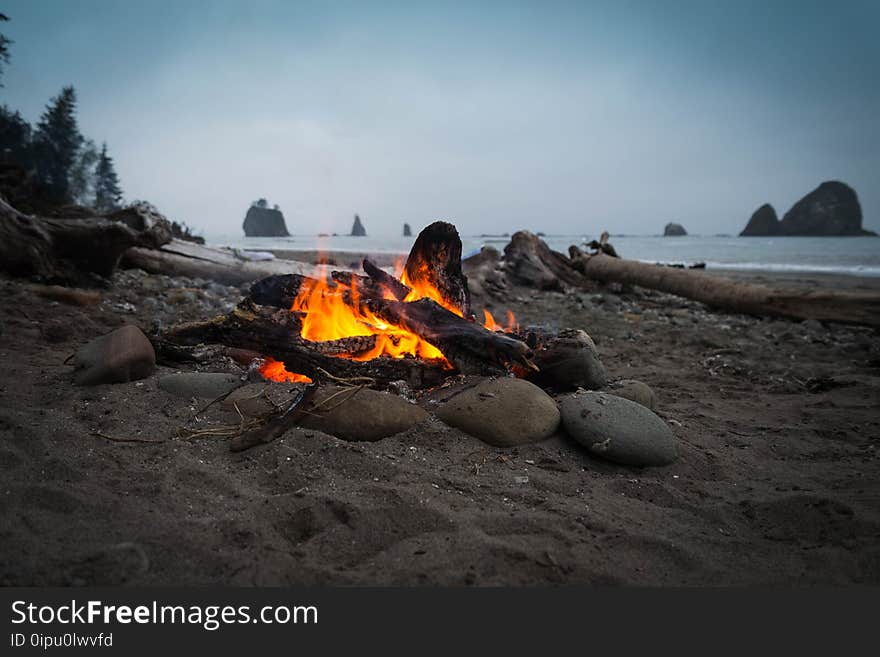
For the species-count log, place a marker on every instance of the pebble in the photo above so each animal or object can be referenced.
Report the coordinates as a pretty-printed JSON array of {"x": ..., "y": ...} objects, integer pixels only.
[
  {"x": 502, "y": 412},
  {"x": 635, "y": 391},
  {"x": 202, "y": 385},
  {"x": 361, "y": 413},
  {"x": 119, "y": 356},
  {"x": 617, "y": 429}
]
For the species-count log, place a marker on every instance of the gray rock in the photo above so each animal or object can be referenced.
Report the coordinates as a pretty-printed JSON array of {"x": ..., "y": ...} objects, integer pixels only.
[
  {"x": 262, "y": 221},
  {"x": 569, "y": 361},
  {"x": 502, "y": 412},
  {"x": 202, "y": 385},
  {"x": 618, "y": 429},
  {"x": 357, "y": 229},
  {"x": 636, "y": 391},
  {"x": 361, "y": 413},
  {"x": 122, "y": 355},
  {"x": 674, "y": 230}
]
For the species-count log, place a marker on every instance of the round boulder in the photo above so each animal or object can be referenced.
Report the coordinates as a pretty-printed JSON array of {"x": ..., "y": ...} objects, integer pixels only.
[
  {"x": 635, "y": 391},
  {"x": 122, "y": 355},
  {"x": 361, "y": 413},
  {"x": 502, "y": 412},
  {"x": 618, "y": 429},
  {"x": 569, "y": 361}
]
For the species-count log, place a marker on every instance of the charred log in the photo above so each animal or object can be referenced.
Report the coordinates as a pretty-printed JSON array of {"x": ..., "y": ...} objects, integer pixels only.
[
  {"x": 385, "y": 281},
  {"x": 276, "y": 333},
  {"x": 435, "y": 259},
  {"x": 471, "y": 348}
]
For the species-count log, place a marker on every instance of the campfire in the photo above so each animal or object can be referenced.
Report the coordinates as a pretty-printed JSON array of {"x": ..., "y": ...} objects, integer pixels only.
[
  {"x": 333, "y": 311},
  {"x": 415, "y": 325}
]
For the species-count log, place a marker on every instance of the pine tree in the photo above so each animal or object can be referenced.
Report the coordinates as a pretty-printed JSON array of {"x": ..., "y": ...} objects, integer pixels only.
[
  {"x": 5, "y": 42},
  {"x": 56, "y": 143},
  {"x": 15, "y": 138},
  {"x": 107, "y": 191}
]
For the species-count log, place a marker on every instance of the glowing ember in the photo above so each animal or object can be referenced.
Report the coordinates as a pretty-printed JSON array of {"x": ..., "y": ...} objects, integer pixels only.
[{"x": 274, "y": 371}]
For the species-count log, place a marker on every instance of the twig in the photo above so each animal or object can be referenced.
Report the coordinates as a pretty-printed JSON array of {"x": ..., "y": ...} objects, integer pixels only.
[
  {"x": 126, "y": 440},
  {"x": 350, "y": 381}
]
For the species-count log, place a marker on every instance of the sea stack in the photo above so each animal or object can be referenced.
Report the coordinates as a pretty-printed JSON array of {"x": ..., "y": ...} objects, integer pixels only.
[
  {"x": 357, "y": 229},
  {"x": 832, "y": 209},
  {"x": 407, "y": 231},
  {"x": 674, "y": 230},
  {"x": 763, "y": 222},
  {"x": 262, "y": 221}
]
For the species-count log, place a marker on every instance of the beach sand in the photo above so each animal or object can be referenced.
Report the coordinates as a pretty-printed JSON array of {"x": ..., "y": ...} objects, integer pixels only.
[{"x": 776, "y": 423}]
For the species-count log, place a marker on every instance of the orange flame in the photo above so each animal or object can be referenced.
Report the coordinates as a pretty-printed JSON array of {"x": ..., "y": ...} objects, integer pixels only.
[
  {"x": 334, "y": 311},
  {"x": 274, "y": 370},
  {"x": 492, "y": 325}
]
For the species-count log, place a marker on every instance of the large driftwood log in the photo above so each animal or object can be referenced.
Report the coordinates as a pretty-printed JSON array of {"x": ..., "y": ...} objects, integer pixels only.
[
  {"x": 725, "y": 294},
  {"x": 181, "y": 258},
  {"x": 66, "y": 250},
  {"x": 529, "y": 261}
]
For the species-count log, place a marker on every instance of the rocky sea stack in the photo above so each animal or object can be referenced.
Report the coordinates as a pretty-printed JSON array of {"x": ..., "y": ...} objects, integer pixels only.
[
  {"x": 832, "y": 209},
  {"x": 262, "y": 221},
  {"x": 763, "y": 222},
  {"x": 674, "y": 230},
  {"x": 407, "y": 231},
  {"x": 357, "y": 229}
]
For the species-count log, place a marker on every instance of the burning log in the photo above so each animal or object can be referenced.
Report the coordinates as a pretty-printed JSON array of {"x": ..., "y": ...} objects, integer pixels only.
[
  {"x": 276, "y": 332},
  {"x": 434, "y": 263},
  {"x": 468, "y": 346}
]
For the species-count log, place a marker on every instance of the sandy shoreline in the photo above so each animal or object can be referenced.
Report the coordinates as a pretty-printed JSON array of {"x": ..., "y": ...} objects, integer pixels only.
[{"x": 776, "y": 424}]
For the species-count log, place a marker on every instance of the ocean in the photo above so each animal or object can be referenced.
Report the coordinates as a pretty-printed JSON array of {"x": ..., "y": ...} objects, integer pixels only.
[{"x": 857, "y": 256}]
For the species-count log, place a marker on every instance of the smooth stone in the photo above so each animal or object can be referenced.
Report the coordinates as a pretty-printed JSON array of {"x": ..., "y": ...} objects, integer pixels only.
[
  {"x": 361, "y": 413},
  {"x": 119, "y": 356},
  {"x": 503, "y": 412},
  {"x": 203, "y": 385},
  {"x": 634, "y": 390},
  {"x": 570, "y": 361},
  {"x": 618, "y": 429}
]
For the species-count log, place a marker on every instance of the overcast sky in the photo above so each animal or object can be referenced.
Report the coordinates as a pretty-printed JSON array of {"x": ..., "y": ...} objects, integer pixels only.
[{"x": 562, "y": 117}]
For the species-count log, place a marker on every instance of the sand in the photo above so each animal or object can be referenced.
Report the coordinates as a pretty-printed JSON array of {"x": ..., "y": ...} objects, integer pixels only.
[{"x": 776, "y": 423}]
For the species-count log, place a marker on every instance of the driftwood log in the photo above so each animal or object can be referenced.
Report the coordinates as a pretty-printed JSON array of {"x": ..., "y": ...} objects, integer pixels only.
[
  {"x": 732, "y": 296},
  {"x": 68, "y": 250},
  {"x": 529, "y": 261},
  {"x": 182, "y": 258}
]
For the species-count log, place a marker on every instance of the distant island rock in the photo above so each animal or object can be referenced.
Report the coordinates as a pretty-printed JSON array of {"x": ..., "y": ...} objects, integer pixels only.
[
  {"x": 358, "y": 230},
  {"x": 407, "y": 231},
  {"x": 763, "y": 222},
  {"x": 262, "y": 221},
  {"x": 832, "y": 209},
  {"x": 674, "y": 230}
]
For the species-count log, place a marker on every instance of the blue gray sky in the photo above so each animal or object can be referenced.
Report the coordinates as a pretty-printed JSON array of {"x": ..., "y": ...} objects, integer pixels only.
[{"x": 566, "y": 117}]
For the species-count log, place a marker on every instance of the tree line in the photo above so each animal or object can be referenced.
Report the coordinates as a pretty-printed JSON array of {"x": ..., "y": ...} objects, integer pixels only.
[{"x": 64, "y": 166}]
